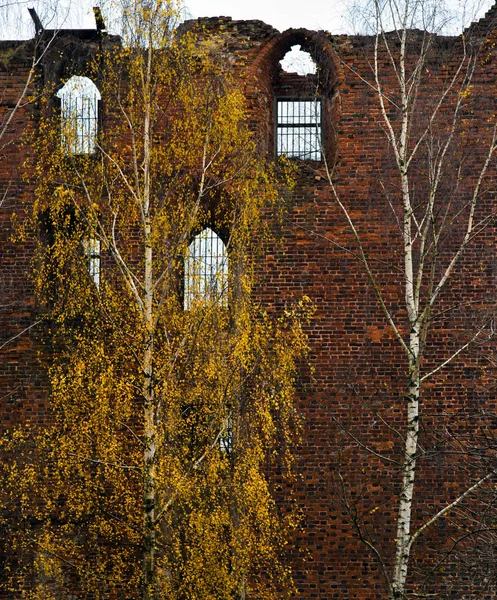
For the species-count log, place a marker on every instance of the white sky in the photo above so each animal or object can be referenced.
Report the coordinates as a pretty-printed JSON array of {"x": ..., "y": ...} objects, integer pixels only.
[
  {"x": 282, "y": 14},
  {"x": 331, "y": 15}
]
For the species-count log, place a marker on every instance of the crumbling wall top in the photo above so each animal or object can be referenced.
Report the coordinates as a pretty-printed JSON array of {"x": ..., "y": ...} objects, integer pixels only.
[
  {"x": 15, "y": 52},
  {"x": 486, "y": 24},
  {"x": 255, "y": 30}
]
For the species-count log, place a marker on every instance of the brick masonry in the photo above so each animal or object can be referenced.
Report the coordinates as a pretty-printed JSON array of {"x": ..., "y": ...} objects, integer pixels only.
[{"x": 355, "y": 390}]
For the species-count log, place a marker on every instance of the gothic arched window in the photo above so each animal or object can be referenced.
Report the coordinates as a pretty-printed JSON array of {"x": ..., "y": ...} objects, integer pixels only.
[
  {"x": 79, "y": 115},
  {"x": 206, "y": 269},
  {"x": 298, "y": 107}
]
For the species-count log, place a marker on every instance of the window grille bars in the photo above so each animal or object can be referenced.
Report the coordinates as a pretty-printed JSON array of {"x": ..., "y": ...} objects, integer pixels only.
[
  {"x": 206, "y": 270},
  {"x": 91, "y": 249},
  {"x": 79, "y": 115},
  {"x": 226, "y": 438},
  {"x": 298, "y": 129}
]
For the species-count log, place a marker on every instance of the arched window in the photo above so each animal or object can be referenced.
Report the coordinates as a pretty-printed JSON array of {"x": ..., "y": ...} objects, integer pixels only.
[
  {"x": 298, "y": 107},
  {"x": 206, "y": 269},
  {"x": 79, "y": 115}
]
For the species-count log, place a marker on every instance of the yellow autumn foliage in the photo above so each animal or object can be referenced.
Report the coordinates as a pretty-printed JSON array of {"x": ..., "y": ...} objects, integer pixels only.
[{"x": 152, "y": 478}]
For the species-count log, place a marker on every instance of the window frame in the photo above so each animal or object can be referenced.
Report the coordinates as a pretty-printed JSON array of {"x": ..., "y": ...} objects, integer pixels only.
[
  {"x": 199, "y": 289},
  {"x": 319, "y": 125},
  {"x": 82, "y": 122},
  {"x": 92, "y": 249},
  {"x": 226, "y": 437}
]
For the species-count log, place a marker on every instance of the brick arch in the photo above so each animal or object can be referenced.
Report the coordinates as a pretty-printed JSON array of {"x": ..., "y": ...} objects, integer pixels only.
[
  {"x": 313, "y": 42},
  {"x": 267, "y": 73}
]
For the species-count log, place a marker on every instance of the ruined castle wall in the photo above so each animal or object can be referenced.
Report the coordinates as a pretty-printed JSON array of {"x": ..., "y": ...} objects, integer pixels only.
[
  {"x": 23, "y": 392},
  {"x": 354, "y": 389},
  {"x": 354, "y": 398}
]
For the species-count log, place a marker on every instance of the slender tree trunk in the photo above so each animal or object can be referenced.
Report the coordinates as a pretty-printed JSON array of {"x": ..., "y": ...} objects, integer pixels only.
[
  {"x": 149, "y": 474},
  {"x": 403, "y": 539},
  {"x": 149, "y": 468},
  {"x": 412, "y": 397}
]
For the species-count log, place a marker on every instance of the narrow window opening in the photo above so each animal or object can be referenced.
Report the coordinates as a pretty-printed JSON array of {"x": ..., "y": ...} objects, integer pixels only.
[
  {"x": 79, "y": 115},
  {"x": 91, "y": 248},
  {"x": 298, "y": 61},
  {"x": 206, "y": 270},
  {"x": 298, "y": 128},
  {"x": 226, "y": 437}
]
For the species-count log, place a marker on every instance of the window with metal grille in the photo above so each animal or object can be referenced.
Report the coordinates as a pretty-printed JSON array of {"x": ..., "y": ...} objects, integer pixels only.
[
  {"x": 91, "y": 248},
  {"x": 226, "y": 438},
  {"x": 79, "y": 115},
  {"x": 298, "y": 128},
  {"x": 206, "y": 269}
]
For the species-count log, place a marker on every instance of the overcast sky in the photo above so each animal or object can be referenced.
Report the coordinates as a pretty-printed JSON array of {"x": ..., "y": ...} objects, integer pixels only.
[
  {"x": 282, "y": 14},
  {"x": 331, "y": 15}
]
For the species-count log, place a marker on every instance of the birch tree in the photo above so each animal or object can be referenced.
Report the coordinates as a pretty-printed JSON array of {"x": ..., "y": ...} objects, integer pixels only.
[
  {"x": 439, "y": 213},
  {"x": 171, "y": 390}
]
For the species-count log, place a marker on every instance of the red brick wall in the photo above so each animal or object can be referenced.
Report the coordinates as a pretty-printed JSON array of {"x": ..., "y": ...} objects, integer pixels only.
[
  {"x": 356, "y": 389},
  {"x": 21, "y": 382},
  {"x": 356, "y": 386}
]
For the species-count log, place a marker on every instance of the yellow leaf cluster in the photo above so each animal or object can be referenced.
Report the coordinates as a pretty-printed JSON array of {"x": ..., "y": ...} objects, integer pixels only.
[{"x": 152, "y": 478}]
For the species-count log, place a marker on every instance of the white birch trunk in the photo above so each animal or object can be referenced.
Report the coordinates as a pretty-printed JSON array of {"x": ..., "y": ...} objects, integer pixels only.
[
  {"x": 412, "y": 398},
  {"x": 420, "y": 235},
  {"x": 149, "y": 409},
  {"x": 404, "y": 517}
]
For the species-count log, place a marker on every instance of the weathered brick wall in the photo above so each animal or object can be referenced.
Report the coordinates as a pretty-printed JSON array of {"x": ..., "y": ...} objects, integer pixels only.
[
  {"x": 24, "y": 389},
  {"x": 355, "y": 392},
  {"x": 23, "y": 395}
]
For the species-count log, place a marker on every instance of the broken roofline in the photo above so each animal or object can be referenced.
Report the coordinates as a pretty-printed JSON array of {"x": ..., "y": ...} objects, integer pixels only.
[{"x": 99, "y": 22}]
